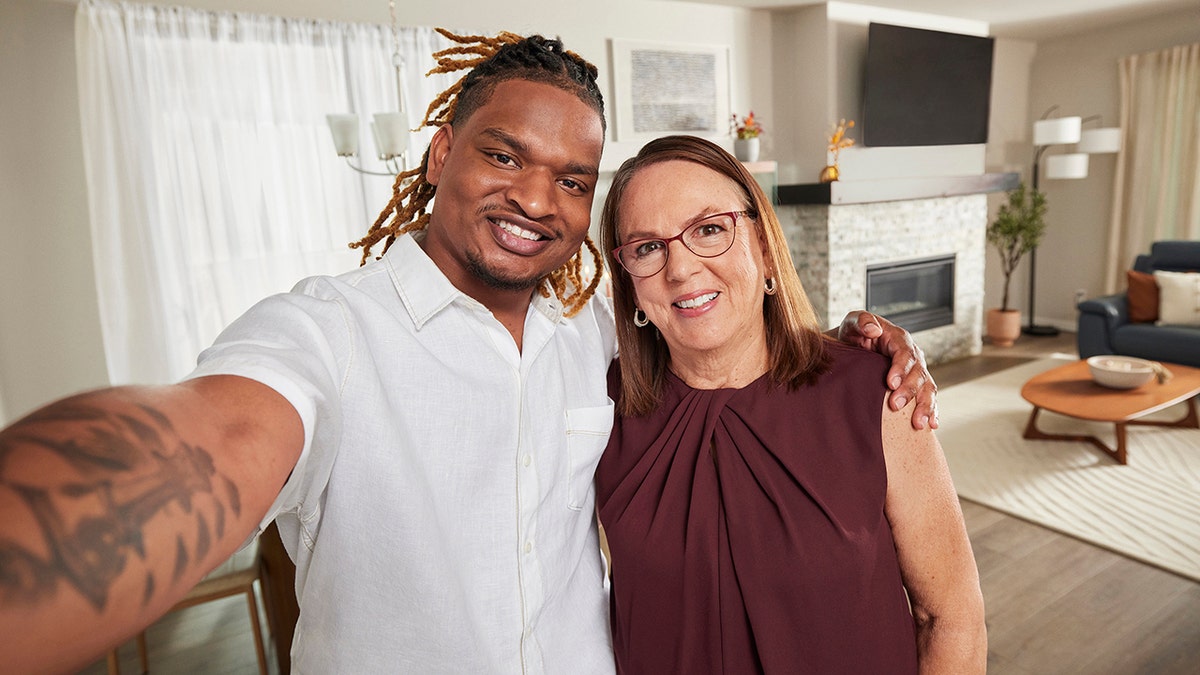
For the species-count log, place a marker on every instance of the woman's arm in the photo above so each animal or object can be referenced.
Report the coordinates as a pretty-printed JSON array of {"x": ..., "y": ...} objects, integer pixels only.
[
  {"x": 935, "y": 555},
  {"x": 114, "y": 503}
]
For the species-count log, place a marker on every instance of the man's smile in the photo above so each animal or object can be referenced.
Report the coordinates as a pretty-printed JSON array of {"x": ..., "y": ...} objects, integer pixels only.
[{"x": 517, "y": 231}]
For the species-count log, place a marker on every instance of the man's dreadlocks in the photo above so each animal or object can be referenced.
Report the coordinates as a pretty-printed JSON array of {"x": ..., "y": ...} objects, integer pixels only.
[{"x": 493, "y": 60}]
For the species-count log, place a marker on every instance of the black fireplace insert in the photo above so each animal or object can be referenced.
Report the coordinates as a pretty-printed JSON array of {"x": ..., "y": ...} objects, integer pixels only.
[{"x": 914, "y": 294}]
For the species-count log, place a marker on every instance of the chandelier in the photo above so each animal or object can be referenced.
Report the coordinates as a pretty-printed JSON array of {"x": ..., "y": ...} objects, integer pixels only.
[{"x": 389, "y": 129}]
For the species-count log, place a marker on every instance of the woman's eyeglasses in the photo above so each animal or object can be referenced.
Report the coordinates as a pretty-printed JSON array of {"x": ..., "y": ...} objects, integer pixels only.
[{"x": 707, "y": 238}]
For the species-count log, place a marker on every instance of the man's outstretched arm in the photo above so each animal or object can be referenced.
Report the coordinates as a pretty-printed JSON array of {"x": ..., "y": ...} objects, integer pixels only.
[
  {"x": 909, "y": 377},
  {"x": 114, "y": 503}
]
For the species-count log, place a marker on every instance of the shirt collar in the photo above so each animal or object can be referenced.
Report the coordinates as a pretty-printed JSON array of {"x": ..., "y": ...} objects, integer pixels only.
[{"x": 425, "y": 290}]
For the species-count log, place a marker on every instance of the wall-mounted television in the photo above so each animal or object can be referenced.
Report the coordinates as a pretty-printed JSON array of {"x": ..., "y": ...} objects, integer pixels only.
[{"x": 925, "y": 87}]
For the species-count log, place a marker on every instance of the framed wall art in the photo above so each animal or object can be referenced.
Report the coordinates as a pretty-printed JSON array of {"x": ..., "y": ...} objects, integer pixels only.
[{"x": 663, "y": 88}]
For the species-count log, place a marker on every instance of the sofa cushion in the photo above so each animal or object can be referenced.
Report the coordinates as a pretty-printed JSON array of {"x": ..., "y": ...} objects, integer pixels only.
[
  {"x": 1175, "y": 256},
  {"x": 1143, "y": 296},
  {"x": 1179, "y": 298},
  {"x": 1174, "y": 344}
]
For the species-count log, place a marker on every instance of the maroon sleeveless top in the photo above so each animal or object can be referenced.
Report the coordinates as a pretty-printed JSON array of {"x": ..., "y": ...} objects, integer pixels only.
[{"x": 748, "y": 533}]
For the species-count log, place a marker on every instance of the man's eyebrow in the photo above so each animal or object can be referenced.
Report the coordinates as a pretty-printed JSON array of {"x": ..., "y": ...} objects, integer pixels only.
[
  {"x": 521, "y": 147},
  {"x": 507, "y": 139}
]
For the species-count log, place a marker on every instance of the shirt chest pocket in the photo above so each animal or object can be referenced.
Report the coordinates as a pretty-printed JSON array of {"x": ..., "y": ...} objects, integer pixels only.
[{"x": 587, "y": 434}]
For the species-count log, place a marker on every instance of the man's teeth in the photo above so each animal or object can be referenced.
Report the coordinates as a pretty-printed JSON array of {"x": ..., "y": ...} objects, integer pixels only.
[
  {"x": 696, "y": 301},
  {"x": 517, "y": 231}
]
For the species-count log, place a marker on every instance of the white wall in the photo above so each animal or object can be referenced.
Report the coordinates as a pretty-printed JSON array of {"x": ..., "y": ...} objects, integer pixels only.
[
  {"x": 49, "y": 323},
  {"x": 1009, "y": 150},
  {"x": 1079, "y": 74}
]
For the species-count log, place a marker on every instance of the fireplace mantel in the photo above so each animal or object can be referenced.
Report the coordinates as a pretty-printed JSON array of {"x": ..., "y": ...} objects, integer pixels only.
[{"x": 894, "y": 189}]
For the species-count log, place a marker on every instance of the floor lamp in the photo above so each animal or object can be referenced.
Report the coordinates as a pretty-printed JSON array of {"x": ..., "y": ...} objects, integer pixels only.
[
  {"x": 1048, "y": 132},
  {"x": 1063, "y": 131}
]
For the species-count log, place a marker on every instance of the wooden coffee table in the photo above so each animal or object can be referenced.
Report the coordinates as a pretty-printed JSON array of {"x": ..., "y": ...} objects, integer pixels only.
[{"x": 1069, "y": 390}]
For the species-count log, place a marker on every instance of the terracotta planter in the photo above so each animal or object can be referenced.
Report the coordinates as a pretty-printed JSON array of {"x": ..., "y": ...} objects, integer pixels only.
[{"x": 1003, "y": 326}]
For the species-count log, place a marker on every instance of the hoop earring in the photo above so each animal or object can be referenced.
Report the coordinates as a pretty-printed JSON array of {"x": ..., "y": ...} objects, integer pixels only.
[
  {"x": 769, "y": 286},
  {"x": 639, "y": 318}
]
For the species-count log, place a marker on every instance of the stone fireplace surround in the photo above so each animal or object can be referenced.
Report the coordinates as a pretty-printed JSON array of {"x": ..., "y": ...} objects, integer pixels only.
[{"x": 835, "y": 231}]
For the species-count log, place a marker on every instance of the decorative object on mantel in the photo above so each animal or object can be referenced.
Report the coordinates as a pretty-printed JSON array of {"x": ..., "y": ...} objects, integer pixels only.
[
  {"x": 837, "y": 141},
  {"x": 1017, "y": 229},
  {"x": 390, "y": 129},
  {"x": 746, "y": 133},
  {"x": 1049, "y": 131}
]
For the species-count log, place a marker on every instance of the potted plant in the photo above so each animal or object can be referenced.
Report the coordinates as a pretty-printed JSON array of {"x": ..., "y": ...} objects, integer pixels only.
[
  {"x": 746, "y": 132},
  {"x": 1017, "y": 229}
]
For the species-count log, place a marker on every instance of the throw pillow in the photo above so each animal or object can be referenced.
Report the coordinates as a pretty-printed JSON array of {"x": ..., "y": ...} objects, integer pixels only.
[
  {"x": 1179, "y": 298},
  {"x": 1143, "y": 296}
]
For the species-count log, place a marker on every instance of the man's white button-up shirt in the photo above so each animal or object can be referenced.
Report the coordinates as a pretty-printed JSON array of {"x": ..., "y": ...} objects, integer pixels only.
[{"x": 441, "y": 515}]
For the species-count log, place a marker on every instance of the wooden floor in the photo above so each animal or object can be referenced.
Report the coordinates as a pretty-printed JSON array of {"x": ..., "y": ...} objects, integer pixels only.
[
  {"x": 1058, "y": 605},
  {"x": 1054, "y": 604}
]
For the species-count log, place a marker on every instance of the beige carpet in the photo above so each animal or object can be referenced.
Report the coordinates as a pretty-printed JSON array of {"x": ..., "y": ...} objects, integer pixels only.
[{"x": 1148, "y": 509}]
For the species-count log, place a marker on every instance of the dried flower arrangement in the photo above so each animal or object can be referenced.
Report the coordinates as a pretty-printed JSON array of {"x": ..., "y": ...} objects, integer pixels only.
[
  {"x": 747, "y": 127},
  {"x": 838, "y": 140}
]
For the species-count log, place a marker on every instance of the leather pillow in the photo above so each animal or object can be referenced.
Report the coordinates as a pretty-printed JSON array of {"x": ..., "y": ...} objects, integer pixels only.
[
  {"x": 1143, "y": 296},
  {"x": 1179, "y": 296}
]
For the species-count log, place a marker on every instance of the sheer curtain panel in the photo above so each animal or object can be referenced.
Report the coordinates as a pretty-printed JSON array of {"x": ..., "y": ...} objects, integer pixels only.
[
  {"x": 212, "y": 178},
  {"x": 1157, "y": 184}
]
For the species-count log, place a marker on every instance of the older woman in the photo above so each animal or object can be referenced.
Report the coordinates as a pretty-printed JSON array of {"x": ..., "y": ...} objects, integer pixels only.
[{"x": 765, "y": 510}]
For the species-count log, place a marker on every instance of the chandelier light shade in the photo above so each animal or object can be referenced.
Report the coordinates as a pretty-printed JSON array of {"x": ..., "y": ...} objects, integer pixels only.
[
  {"x": 1073, "y": 165},
  {"x": 391, "y": 134},
  {"x": 345, "y": 134},
  {"x": 1100, "y": 141},
  {"x": 1057, "y": 131}
]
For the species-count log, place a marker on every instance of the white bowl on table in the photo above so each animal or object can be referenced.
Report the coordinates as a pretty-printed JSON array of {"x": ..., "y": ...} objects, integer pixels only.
[{"x": 1120, "y": 372}]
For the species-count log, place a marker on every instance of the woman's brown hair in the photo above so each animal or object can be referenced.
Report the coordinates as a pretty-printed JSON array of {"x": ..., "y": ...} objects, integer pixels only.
[{"x": 797, "y": 353}]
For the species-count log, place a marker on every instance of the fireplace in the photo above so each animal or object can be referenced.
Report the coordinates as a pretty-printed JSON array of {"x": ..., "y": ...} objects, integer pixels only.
[{"x": 914, "y": 294}]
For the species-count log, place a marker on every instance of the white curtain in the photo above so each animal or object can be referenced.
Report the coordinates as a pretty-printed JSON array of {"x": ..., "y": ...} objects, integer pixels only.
[
  {"x": 212, "y": 178},
  {"x": 1157, "y": 183}
]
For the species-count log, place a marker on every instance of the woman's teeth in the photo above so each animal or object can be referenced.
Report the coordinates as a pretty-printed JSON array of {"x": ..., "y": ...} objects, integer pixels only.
[
  {"x": 517, "y": 231},
  {"x": 696, "y": 301}
]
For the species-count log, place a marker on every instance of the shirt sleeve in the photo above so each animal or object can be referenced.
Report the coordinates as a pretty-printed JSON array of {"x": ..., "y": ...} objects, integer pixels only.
[{"x": 298, "y": 344}]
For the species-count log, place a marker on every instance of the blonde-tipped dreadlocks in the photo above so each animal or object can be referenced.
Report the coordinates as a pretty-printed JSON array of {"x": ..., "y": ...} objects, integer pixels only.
[{"x": 489, "y": 61}]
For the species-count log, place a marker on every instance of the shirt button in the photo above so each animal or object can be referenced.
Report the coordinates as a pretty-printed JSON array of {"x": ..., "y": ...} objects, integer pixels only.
[
  {"x": 527, "y": 460},
  {"x": 528, "y": 546}
]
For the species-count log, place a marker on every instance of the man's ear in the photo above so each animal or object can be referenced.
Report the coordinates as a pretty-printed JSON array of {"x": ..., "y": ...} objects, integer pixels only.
[{"x": 439, "y": 147}]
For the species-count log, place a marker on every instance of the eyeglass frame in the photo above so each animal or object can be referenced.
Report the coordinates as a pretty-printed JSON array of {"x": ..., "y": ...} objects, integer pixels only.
[{"x": 616, "y": 252}]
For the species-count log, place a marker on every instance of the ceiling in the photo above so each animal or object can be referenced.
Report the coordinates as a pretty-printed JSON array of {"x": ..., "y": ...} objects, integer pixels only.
[{"x": 1026, "y": 19}]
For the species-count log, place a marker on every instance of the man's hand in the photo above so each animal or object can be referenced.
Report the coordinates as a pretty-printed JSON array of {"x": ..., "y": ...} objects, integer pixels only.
[{"x": 908, "y": 378}]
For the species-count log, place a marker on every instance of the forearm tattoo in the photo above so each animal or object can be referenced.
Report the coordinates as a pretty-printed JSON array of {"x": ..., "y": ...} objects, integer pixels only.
[{"x": 119, "y": 472}]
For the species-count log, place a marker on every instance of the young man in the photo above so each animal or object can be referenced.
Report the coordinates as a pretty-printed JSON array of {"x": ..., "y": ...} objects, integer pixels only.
[{"x": 423, "y": 429}]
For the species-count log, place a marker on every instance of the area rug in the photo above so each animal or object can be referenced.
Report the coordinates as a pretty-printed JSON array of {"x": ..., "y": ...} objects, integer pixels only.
[{"x": 1148, "y": 509}]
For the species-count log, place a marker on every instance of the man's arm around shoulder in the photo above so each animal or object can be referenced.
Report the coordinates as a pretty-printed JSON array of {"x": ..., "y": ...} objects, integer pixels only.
[{"x": 114, "y": 503}]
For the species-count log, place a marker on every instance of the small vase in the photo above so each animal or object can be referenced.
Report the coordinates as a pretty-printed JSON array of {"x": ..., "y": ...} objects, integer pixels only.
[
  {"x": 829, "y": 174},
  {"x": 746, "y": 149}
]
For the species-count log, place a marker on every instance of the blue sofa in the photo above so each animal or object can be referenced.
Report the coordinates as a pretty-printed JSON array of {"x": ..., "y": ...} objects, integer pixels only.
[{"x": 1104, "y": 326}]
